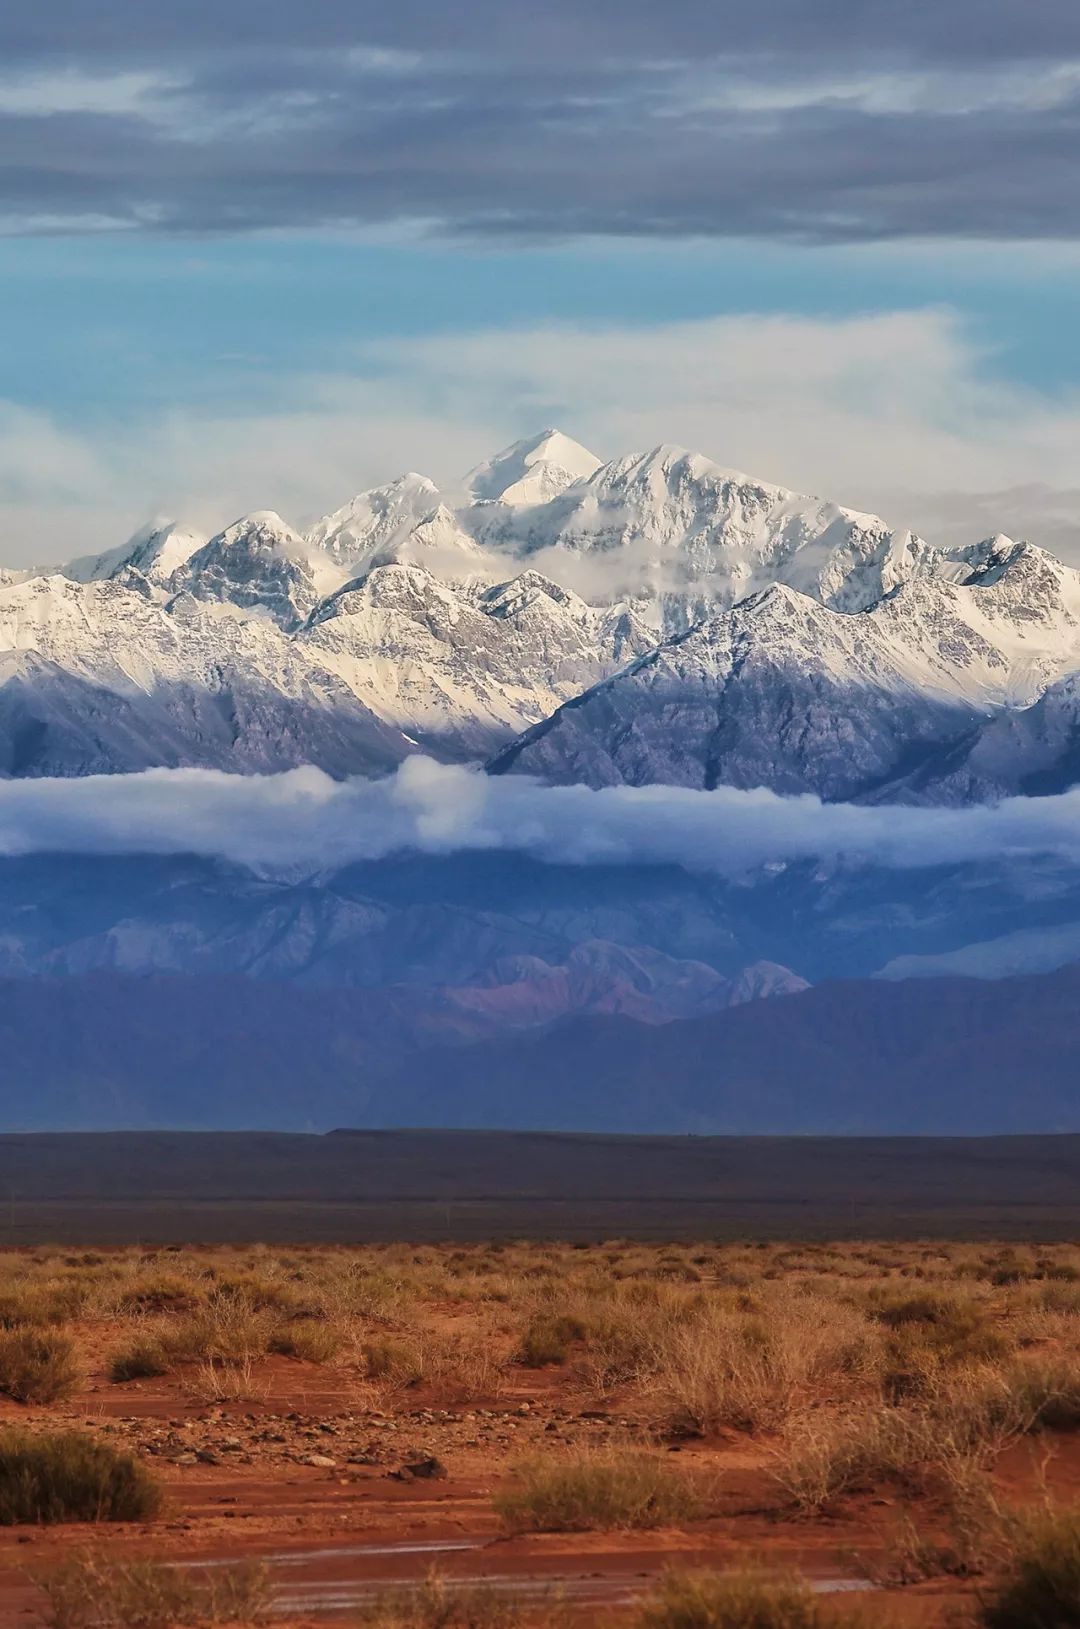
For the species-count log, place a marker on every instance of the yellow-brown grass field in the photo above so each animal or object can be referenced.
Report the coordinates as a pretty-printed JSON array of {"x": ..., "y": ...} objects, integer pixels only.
[{"x": 669, "y": 1436}]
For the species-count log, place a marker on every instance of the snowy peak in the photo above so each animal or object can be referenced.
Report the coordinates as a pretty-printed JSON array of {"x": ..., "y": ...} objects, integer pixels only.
[
  {"x": 155, "y": 551},
  {"x": 405, "y": 522},
  {"x": 532, "y": 471},
  {"x": 708, "y": 628},
  {"x": 375, "y": 522},
  {"x": 782, "y": 691},
  {"x": 161, "y": 551},
  {"x": 259, "y": 564},
  {"x": 672, "y": 529},
  {"x": 529, "y": 588}
]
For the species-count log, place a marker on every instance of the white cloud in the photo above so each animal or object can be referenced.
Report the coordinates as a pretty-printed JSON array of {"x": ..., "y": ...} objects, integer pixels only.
[
  {"x": 729, "y": 84},
  {"x": 304, "y": 822},
  {"x": 897, "y": 412},
  {"x": 43, "y": 94}
]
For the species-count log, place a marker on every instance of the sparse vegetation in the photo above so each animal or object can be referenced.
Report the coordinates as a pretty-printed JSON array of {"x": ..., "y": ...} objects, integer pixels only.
[
  {"x": 71, "y": 1477},
  {"x": 747, "y": 1599},
  {"x": 99, "y": 1592},
  {"x": 1040, "y": 1582},
  {"x": 37, "y": 1366},
  {"x": 439, "y": 1603},
  {"x": 912, "y": 1390},
  {"x": 143, "y": 1359},
  {"x": 600, "y": 1490}
]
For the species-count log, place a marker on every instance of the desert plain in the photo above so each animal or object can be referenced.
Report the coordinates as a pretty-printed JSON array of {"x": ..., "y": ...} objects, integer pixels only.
[{"x": 536, "y": 1433}]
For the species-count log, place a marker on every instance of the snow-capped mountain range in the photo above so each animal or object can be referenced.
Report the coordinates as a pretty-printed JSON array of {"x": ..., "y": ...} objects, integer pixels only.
[{"x": 654, "y": 618}]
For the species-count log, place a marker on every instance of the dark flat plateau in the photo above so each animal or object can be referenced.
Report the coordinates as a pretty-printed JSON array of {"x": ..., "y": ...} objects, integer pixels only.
[{"x": 172, "y": 1187}]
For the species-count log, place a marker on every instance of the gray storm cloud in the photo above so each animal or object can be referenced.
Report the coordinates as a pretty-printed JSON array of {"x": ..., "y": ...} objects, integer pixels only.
[
  {"x": 843, "y": 120},
  {"x": 302, "y": 821}
]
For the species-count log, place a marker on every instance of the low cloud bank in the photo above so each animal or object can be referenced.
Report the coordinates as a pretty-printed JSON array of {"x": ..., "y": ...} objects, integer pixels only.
[{"x": 302, "y": 821}]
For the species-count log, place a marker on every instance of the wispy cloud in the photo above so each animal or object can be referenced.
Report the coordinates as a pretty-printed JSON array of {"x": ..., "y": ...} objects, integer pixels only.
[
  {"x": 846, "y": 408},
  {"x": 304, "y": 822},
  {"x": 43, "y": 93}
]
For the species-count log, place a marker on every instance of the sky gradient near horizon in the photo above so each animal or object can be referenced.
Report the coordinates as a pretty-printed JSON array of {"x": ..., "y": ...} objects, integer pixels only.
[{"x": 263, "y": 255}]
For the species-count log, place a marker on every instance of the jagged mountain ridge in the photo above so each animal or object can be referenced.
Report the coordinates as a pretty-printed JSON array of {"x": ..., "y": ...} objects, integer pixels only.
[
  {"x": 489, "y": 919},
  {"x": 782, "y": 691},
  {"x": 652, "y": 618}
]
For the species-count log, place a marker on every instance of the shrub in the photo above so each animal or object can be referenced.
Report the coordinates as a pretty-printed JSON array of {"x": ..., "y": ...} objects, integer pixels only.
[
  {"x": 733, "y": 1600},
  {"x": 966, "y": 1537},
  {"x": 1041, "y": 1581},
  {"x": 746, "y": 1369},
  {"x": 70, "y": 1477},
  {"x": 92, "y": 1592},
  {"x": 219, "y": 1382},
  {"x": 398, "y": 1362},
  {"x": 440, "y": 1604},
  {"x": 830, "y": 1457},
  {"x": 142, "y": 1360},
  {"x": 602, "y": 1490},
  {"x": 260, "y": 1293},
  {"x": 630, "y": 1333},
  {"x": 309, "y": 1339},
  {"x": 39, "y": 1304},
  {"x": 548, "y": 1339},
  {"x": 1046, "y": 1390},
  {"x": 458, "y": 1367},
  {"x": 956, "y": 1433},
  {"x": 168, "y": 1292},
  {"x": 37, "y": 1366},
  {"x": 227, "y": 1329},
  {"x": 930, "y": 1332}
]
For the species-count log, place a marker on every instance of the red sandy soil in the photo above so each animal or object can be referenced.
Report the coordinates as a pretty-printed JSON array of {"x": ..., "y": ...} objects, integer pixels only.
[{"x": 334, "y": 1533}]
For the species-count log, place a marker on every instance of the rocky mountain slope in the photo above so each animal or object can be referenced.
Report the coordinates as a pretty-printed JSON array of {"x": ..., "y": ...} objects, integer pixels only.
[
  {"x": 651, "y": 618},
  {"x": 783, "y": 691},
  {"x": 486, "y": 921}
]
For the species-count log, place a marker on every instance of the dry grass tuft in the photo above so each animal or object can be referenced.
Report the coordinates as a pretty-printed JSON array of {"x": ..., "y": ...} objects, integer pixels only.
[
  {"x": 309, "y": 1339},
  {"x": 550, "y": 1338},
  {"x": 440, "y": 1603},
  {"x": 228, "y": 1329},
  {"x": 37, "y": 1366},
  {"x": 750, "y": 1369},
  {"x": 218, "y": 1382},
  {"x": 143, "y": 1359},
  {"x": 71, "y": 1477},
  {"x": 605, "y": 1490},
  {"x": 97, "y": 1592},
  {"x": 746, "y": 1599},
  {"x": 1039, "y": 1587},
  {"x": 393, "y": 1361}
]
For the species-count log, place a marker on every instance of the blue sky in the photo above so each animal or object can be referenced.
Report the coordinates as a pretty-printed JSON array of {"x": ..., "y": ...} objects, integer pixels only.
[
  {"x": 262, "y": 254},
  {"x": 112, "y": 325}
]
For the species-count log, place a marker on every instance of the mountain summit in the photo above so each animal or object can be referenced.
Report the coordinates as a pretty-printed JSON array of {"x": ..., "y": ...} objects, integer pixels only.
[
  {"x": 654, "y": 618},
  {"x": 532, "y": 471}
]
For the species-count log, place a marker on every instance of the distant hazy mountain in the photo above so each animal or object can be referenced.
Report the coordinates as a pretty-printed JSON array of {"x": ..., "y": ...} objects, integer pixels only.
[
  {"x": 483, "y": 921},
  {"x": 934, "y": 1056}
]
